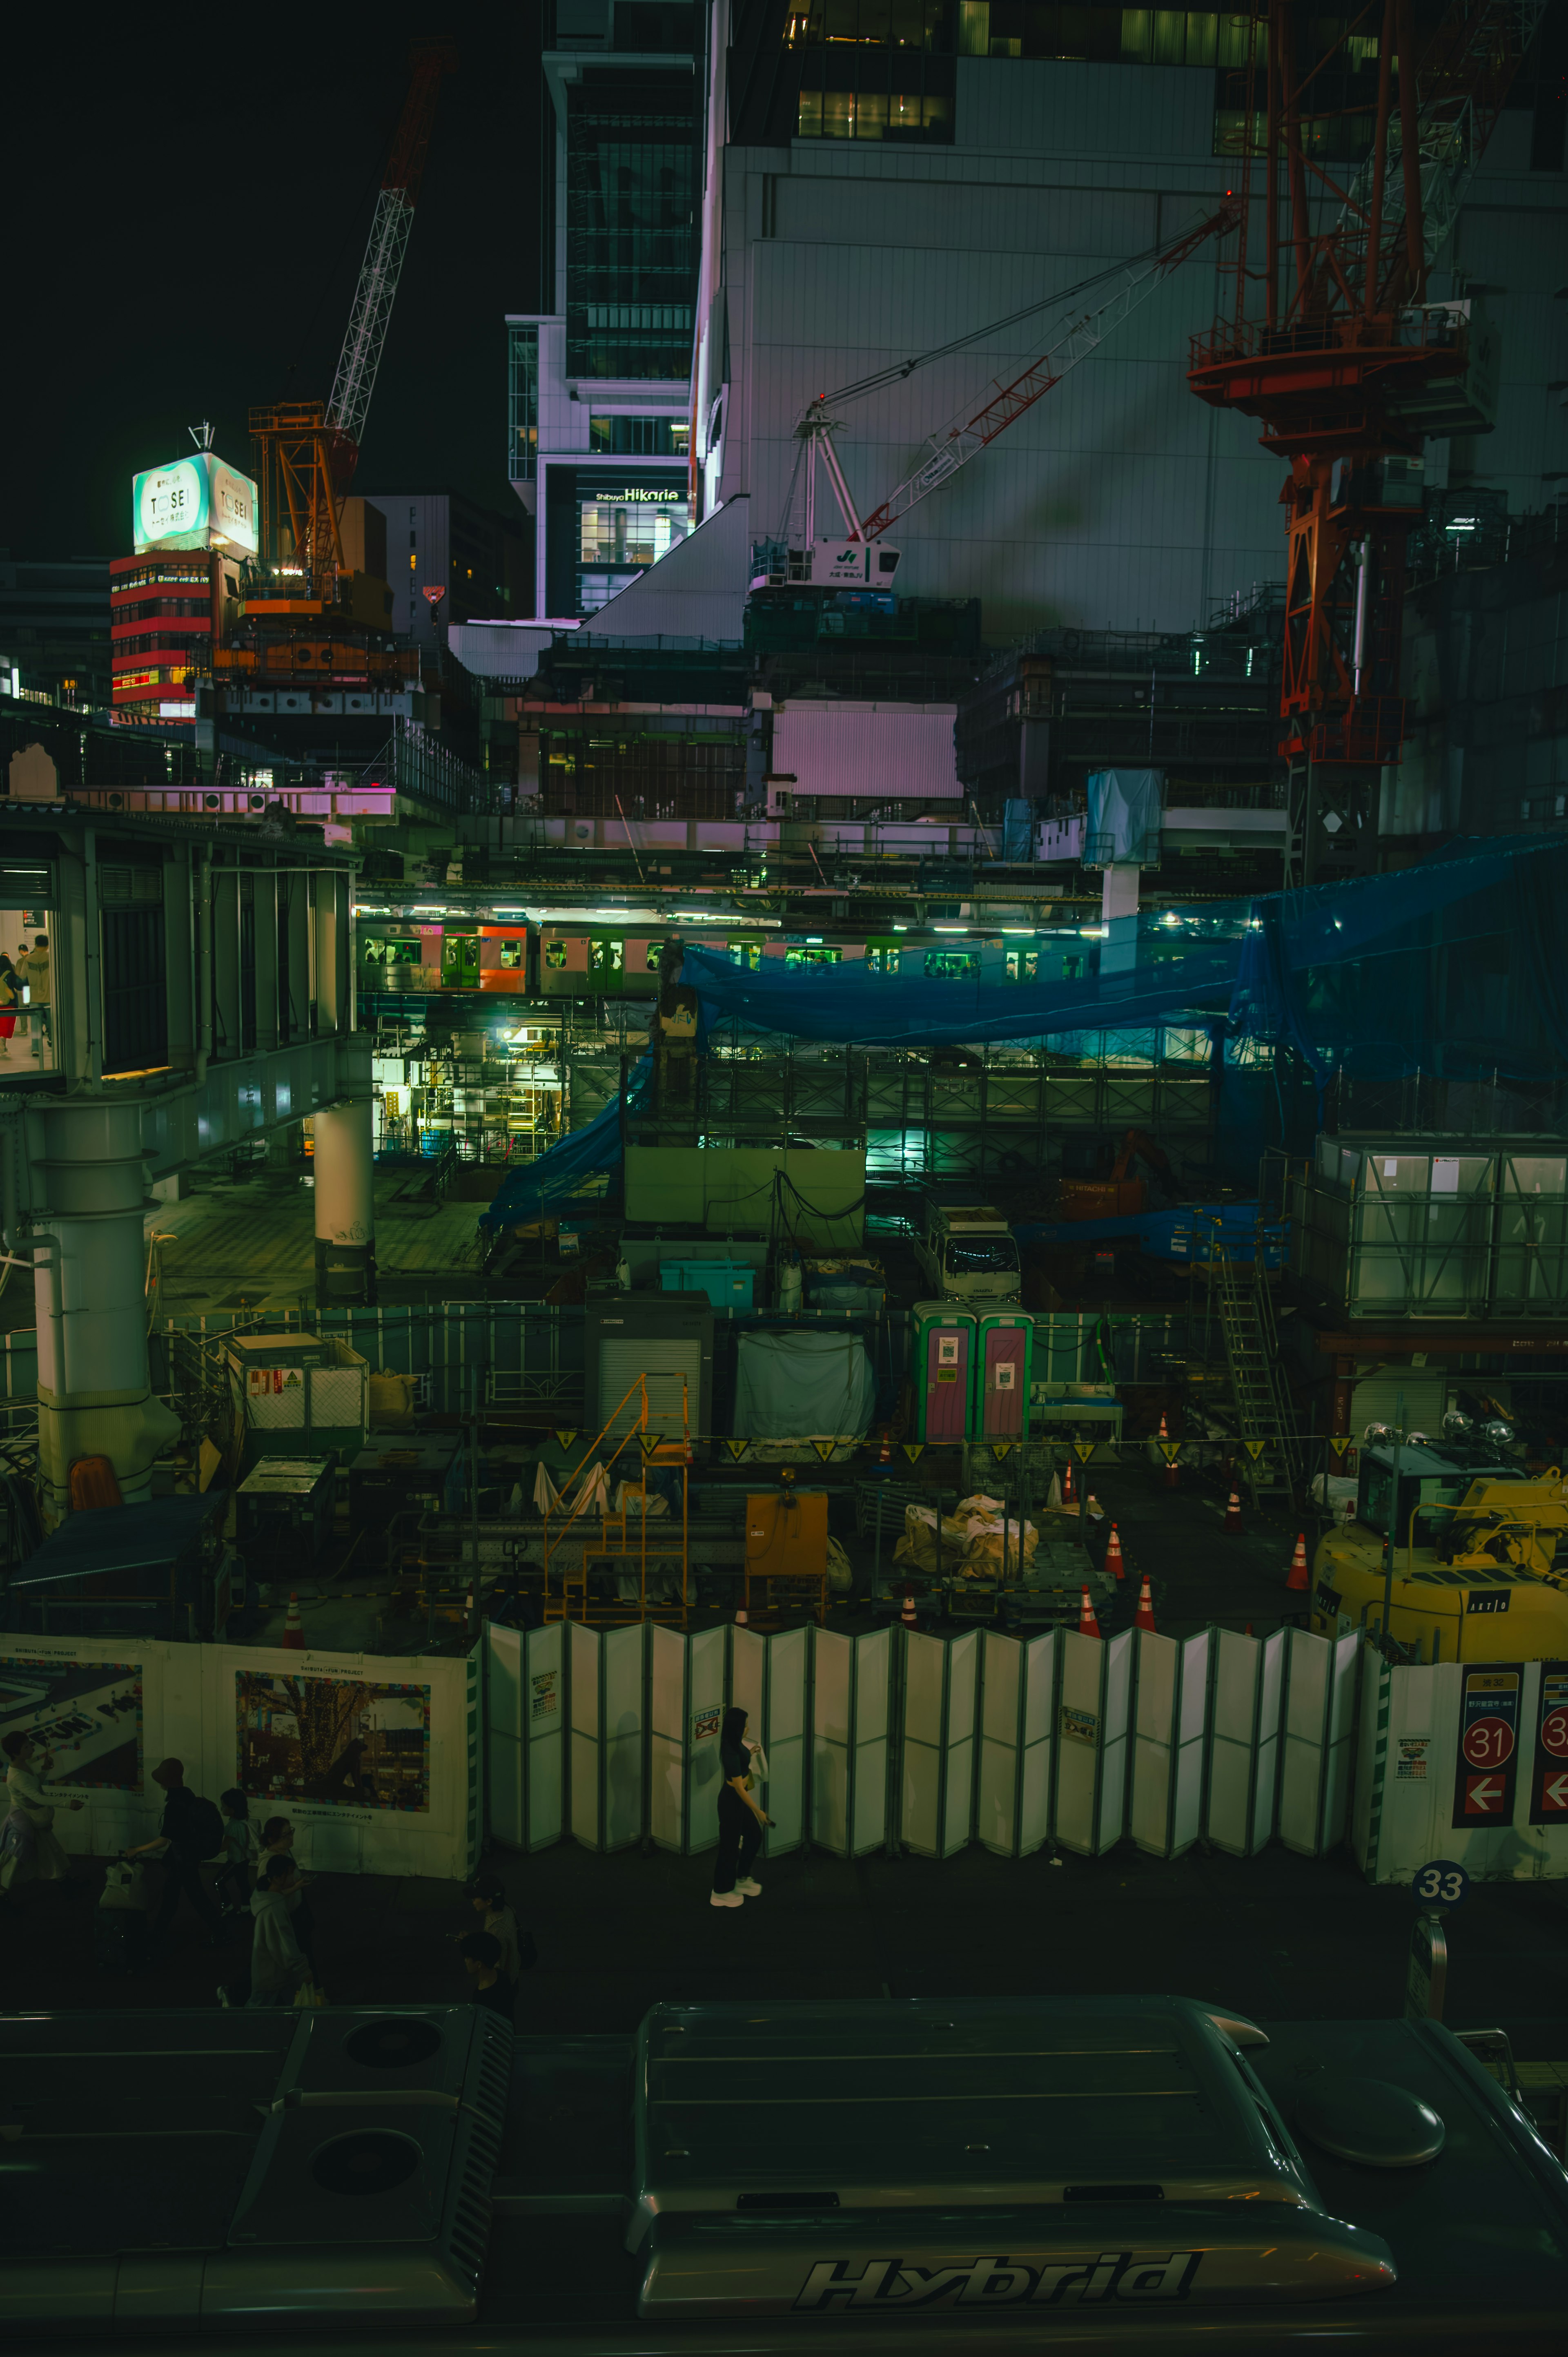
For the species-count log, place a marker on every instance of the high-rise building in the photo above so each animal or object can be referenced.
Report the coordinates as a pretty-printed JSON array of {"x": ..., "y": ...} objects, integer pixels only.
[
  {"x": 54, "y": 630},
  {"x": 447, "y": 542},
  {"x": 599, "y": 381},
  {"x": 883, "y": 179}
]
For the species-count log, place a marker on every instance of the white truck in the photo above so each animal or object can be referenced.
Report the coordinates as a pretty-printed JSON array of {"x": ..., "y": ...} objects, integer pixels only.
[{"x": 967, "y": 1252}]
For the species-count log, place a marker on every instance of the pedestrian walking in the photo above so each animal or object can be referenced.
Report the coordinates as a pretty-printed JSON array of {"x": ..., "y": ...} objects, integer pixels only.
[
  {"x": 29, "y": 1846},
  {"x": 241, "y": 1853},
  {"x": 741, "y": 1821},
  {"x": 278, "y": 1966},
  {"x": 34, "y": 972},
  {"x": 191, "y": 1830},
  {"x": 10, "y": 1001},
  {"x": 489, "y": 1896},
  {"x": 488, "y": 1986},
  {"x": 277, "y": 1841}
]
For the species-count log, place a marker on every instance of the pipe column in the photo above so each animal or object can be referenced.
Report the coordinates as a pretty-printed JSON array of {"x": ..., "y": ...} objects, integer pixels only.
[
  {"x": 344, "y": 1165},
  {"x": 94, "y": 1389}
]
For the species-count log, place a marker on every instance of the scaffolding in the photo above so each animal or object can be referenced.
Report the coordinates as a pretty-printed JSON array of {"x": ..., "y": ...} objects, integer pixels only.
[{"x": 574, "y": 1554}]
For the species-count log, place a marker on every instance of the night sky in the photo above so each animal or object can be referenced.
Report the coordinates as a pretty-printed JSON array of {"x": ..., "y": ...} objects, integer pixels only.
[{"x": 187, "y": 199}]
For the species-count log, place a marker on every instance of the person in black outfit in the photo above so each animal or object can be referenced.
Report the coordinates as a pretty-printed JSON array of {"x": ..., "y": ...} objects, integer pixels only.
[
  {"x": 481, "y": 1953},
  {"x": 741, "y": 1822},
  {"x": 179, "y": 1842}
]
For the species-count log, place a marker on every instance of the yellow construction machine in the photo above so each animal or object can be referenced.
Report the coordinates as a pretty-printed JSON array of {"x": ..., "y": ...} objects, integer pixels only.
[{"x": 1478, "y": 1575}]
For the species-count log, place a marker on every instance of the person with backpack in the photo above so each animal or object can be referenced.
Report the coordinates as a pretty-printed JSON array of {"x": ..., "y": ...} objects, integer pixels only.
[
  {"x": 488, "y": 1894},
  {"x": 191, "y": 1830},
  {"x": 241, "y": 1850}
]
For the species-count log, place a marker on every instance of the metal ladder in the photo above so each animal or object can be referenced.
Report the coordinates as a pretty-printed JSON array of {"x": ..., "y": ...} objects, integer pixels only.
[{"x": 1264, "y": 1414}]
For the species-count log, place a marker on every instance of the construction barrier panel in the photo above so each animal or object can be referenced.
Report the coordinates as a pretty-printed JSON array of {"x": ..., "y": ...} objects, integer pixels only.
[
  {"x": 605, "y": 1670},
  {"x": 1462, "y": 1761},
  {"x": 850, "y": 1721},
  {"x": 942, "y": 1680},
  {"x": 1093, "y": 1717},
  {"x": 1170, "y": 1720},
  {"x": 1244, "y": 1741},
  {"x": 376, "y": 1760},
  {"x": 686, "y": 1705},
  {"x": 525, "y": 1734},
  {"x": 1317, "y": 1748},
  {"x": 1013, "y": 1811},
  {"x": 767, "y": 1679}
]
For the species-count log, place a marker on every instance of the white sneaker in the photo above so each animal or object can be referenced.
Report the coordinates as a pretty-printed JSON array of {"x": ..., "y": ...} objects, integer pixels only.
[
  {"x": 749, "y": 1889},
  {"x": 726, "y": 1898}
]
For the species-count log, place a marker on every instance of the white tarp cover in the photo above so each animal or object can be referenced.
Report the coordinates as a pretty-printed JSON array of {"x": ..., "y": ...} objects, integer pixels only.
[
  {"x": 800, "y": 1386},
  {"x": 903, "y": 750},
  {"x": 1125, "y": 804}
]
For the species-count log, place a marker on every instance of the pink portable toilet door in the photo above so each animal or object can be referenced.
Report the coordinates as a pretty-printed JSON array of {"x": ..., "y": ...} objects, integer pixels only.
[
  {"x": 947, "y": 1382},
  {"x": 1002, "y": 1392}
]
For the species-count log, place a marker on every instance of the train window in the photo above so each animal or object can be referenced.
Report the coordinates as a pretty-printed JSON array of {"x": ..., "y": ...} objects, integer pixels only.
[
  {"x": 1023, "y": 965},
  {"x": 655, "y": 950},
  {"x": 555, "y": 953},
  {"x": 812, "y": 956},
  {"x": 747, "y": 954},
  {"x": 607, "y": 957},
  {"x": 512, "y": 954},
  {"x": 882, "y": 961},
  {"x": 374, "y": 951},
  {"x": 1072, "y": 966},
  {"x": 402, "y": 954},
  {"x": 951, "y": 964}
]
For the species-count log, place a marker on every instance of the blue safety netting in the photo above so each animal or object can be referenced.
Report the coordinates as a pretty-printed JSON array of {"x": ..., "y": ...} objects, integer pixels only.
[
  {"x": 1454, "y": 967},
  {"x": 587, "y": 1153}
]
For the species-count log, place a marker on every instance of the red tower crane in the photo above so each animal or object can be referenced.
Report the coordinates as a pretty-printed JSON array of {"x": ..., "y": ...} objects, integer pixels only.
[
  {"x": 308, "y": 449},
  {"x": 1333, "y": 346}
]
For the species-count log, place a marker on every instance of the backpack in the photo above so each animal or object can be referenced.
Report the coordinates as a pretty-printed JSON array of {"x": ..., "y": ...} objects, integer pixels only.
[{"x": 203, "y": 1828}]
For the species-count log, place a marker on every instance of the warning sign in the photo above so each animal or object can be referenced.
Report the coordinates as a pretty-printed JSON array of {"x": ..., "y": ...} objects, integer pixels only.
[
  {"x": 1339, "y": 1446},
  {"x": 1170, "y": 1450},
  {"x": 1254, "y": 1448},
  {"x": 1083, "y": 1450},
  {"x": 565, "y": 1439},
  {"x": 1079, "y": 1726},
  {"x": 1489, "y": 1744},
  {"x": 1002, "y": 1450},
  {"x": 947, "y": 1350},
  {"x": 1549, "y": 1771},
  {"x": 706, "y": 1724},
  {"x": 1410, "y": 1762},
  {"x": 546, "y": 1693},
  {"x": 913, "y": 1450},
  {"x": 738, "y": 1448}
]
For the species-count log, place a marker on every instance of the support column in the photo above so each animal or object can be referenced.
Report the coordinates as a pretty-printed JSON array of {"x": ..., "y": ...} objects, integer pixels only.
[
  {"x": 345, "y": 1205},
  {"x": 95, "y": 1393},
  {"x": 1119, "y": 915}
]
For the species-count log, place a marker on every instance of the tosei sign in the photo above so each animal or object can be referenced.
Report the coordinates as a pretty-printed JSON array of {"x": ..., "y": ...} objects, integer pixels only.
[{"x": 195, "y": 502}]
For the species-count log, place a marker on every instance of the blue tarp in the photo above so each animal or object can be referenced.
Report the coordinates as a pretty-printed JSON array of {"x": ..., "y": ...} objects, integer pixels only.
[
  {"x": 526, "y": 1195},
  {"x": 1185, "y": 1235},
  {"x": 1454, "y": 967}
]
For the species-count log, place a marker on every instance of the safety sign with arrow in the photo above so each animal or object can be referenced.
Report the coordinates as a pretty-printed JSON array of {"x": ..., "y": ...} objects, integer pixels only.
[
  {"x": 1488, "y": 1744},
  {"x": 1549, "y": 1773}
]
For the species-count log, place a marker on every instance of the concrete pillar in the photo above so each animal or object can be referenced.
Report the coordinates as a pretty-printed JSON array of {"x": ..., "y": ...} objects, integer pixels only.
[
  {"x": 344, "y": 1205},
  {"x": 94, "y": 1394},
  {"x": 1119, "y": 915}
]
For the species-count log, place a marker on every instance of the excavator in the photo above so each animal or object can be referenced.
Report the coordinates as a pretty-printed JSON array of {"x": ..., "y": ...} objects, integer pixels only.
[{"x": 1479, "y": 1563}]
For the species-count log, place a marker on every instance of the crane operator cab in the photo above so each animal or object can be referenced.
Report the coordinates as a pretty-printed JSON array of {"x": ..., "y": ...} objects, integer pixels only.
[
  {"x": 1477, "y": 1571},
  {"x": 968, "y": 1253}
]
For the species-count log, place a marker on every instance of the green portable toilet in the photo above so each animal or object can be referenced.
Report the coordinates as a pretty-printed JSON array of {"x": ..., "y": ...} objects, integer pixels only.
[
  {"x": 942, "y": 1368},
  {"x": 1003, "y": 1359}
]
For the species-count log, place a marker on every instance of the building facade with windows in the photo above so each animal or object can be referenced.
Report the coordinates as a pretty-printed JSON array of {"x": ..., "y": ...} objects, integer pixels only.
[
  {"x": 599, "y": 384},
  {"x": 881, "y": 178},
  {"x": 444, "y": 540}
]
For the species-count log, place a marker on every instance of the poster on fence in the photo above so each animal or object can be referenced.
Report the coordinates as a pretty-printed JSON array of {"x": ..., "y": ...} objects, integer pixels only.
[
  {"x": 86, "y": 1716},
  {"x": 348, "y": 1741}
]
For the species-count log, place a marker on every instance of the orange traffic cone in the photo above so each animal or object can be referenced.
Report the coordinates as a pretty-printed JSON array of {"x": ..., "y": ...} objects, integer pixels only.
[
  {"x": 1172, "y": 1472},
  {"x": 1165, "y": 1430},
  {"x": 1087, "y": 1626},
  {"x": 1068, "y": 1491},
  {"x": 292, "y": 1640},
  {"x": 1297, "y": 1580},
  {"x": 908, "y": 1615},
  {"x": 884, "y": 1454},
  {"x": 1233, "y": 1512},
  {"x": 1145, "y": 1616},
  {"x": 1113, "y": 1556}
]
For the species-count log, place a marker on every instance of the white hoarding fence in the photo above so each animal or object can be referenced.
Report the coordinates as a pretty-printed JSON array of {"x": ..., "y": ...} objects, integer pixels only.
[
  {"x": 1466, "y": 1760},
  {"x": 941, "y": 1691},
  {"x": 850, "y": 1697},
  {"x": 606, "y": 1683},
  {"x": 1012, "y": 1809},
  {"x": 1319, "y": 1720},
  {"x": 1170, "y": 1720},
  {"x": 525, "y": 1734},
  {"x": 1244, "y": 1741},
  {"x": 1093, "y": 1714},
  {"x": 686, "y": 1709}
]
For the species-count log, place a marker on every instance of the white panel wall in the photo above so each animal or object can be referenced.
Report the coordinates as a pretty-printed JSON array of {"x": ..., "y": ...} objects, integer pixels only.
[
  {"x": 525, "y": 1736},
  {"x": 1170, "y": 1720},
  {"x": 1244, "y": 1741},
  {"x": 1092, "y": 1724},
  {"x": 1016, "y": 1755},
  {"x": 1319, "y": 1724}
]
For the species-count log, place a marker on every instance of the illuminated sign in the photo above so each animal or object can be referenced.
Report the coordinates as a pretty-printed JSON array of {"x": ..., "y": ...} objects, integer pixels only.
[{"x": 195, "y": 502}]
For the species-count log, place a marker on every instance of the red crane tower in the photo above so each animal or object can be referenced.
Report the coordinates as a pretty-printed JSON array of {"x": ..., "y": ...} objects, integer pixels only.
[
  {"x": 308, "y": 449},
  {"x": 1335, "y": 346}
]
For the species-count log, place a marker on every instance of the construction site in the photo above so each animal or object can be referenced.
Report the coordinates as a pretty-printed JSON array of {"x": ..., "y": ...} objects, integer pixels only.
[{"x": 887, "y": 1060}]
